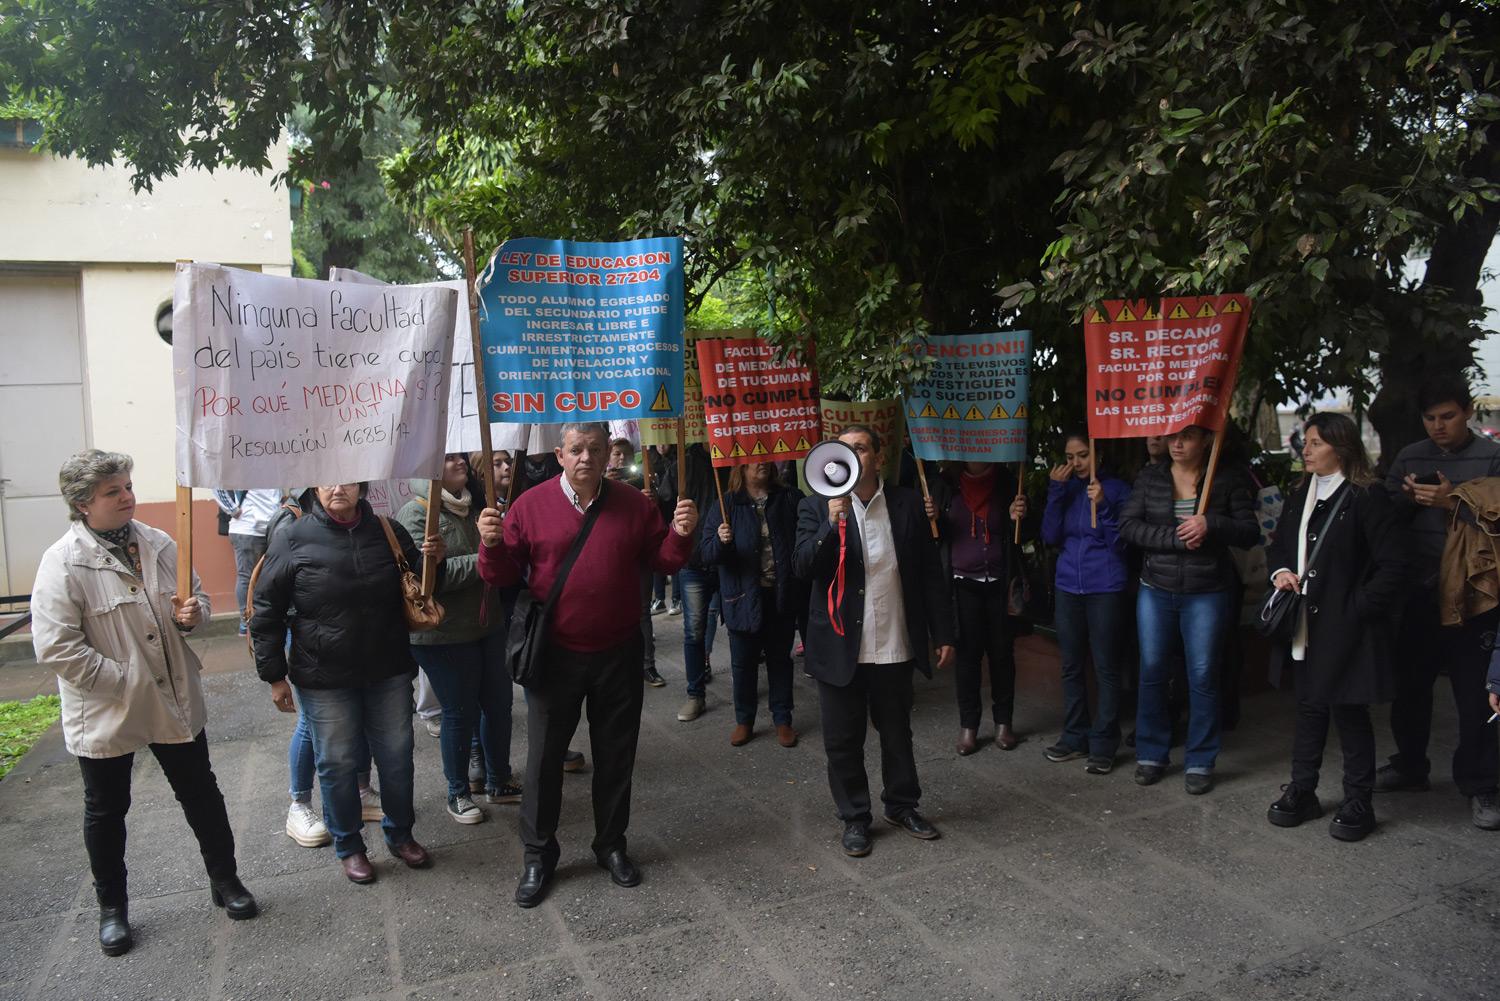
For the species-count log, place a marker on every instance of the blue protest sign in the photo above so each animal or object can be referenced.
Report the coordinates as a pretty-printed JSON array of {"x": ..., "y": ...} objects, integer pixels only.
[
  {"x": 583, "y": 331},
  {"x": 972, "y": 406}
]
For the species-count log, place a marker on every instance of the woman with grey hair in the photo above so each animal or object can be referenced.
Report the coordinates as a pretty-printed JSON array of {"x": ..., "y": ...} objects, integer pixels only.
[{"x": 107, "y": 618}]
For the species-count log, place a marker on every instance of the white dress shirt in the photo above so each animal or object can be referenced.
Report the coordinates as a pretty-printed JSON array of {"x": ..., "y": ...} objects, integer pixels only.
[{"x": 882, "y": 634}]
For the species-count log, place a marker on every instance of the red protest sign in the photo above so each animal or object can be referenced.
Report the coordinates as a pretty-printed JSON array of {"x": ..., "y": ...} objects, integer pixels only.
[
  {"x": 1156, "y": 367},
  {"x": 757, "y": 409}
]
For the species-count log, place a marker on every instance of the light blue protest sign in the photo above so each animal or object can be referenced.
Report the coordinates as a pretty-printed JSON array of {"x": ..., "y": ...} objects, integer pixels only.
[
  {"x": 583, "y": 331},
  {"x": 972, "y": 406}
]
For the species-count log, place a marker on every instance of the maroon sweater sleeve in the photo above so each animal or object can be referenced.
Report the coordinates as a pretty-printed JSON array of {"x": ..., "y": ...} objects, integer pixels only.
[
  {"x": 503, "y": 565},
  {"x": 666, "y": 550}
]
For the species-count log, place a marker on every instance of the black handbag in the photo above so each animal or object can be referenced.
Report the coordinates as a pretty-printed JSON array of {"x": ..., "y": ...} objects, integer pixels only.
[
  {"x": 1280, "y": 610},
  {"x": 526, "y": 643}
]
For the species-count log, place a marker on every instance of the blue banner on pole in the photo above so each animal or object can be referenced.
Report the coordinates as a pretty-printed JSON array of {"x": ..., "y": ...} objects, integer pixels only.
[
  {"x": 973, "y": 404},
  {"x": 583, "y": 331}
]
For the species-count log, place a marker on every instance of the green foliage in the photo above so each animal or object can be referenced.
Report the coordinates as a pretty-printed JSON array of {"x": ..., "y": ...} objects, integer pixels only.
[
  {"x": 879, "y": 172},
  {"x": 22, "y": 724}
]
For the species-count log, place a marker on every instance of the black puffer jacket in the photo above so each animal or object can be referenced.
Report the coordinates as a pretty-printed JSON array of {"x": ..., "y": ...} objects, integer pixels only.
[
  {"x": 349, "y": 629},
  {"x": 1149, "y": 524}
]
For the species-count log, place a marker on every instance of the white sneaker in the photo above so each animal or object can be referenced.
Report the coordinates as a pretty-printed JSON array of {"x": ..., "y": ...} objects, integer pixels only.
[
  {"x": 369, "y": 804},
  {"x": 304, "y": 827},
  {"x": 433, "y": 725},
  {"x": 463, "y": 810}
]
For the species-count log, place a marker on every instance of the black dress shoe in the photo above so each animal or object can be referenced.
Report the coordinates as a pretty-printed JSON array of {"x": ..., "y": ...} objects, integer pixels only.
[
  {"x": 856, "y": 839},
  {"x": 1197, "y": 783},
  {"x": 114, "y": 930},
  {"x": 533, "y": 885},
  {"x": 1354, "y": 821},
  {"x": 915, "y": 824},
  {"x": 237, "y": 902},
  {"x": 1296, "y": 806},
  {"x": 620, "y": 868}
]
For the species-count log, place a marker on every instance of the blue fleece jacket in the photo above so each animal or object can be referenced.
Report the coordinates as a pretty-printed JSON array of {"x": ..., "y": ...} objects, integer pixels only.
[{"x": 1092, "y": 560}]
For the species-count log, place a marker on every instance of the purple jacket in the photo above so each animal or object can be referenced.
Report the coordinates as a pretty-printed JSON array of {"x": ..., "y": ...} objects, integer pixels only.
[{"x": 1092, "y": 560}]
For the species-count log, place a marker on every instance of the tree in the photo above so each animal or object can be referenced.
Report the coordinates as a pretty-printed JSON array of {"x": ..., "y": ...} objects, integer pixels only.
[{"x": 888, "y": 170}]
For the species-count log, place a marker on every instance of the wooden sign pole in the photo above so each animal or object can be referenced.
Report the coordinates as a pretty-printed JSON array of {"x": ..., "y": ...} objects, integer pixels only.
[
  {"x": 486, "y": 446},
  {"x": 719, "y": 488},
  {"x": 1093, "y": 478},
  {"x": 646, "y": 469},
  {"x": 682, "y": 465},
  {"x": 184, "y": 543},
  {"x": 1020, "y": 492},
  {"x": 926, "y": 494},
  {"x": 1208, "y": 476},
  {"x": 434, "y": 516},
  {"x": 517, "y": 470}
]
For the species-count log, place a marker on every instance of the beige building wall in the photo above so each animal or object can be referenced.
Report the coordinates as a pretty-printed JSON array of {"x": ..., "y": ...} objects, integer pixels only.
[{"x": 120, "y": 247}]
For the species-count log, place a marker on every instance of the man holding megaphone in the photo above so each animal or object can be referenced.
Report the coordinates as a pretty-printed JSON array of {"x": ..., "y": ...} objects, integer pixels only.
[{"x": 879, "y": 602}]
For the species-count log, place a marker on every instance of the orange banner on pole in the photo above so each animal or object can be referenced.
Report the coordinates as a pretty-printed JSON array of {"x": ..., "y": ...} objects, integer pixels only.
[
  {"x": 1158, "y": 366},
  {"x": 757, "y": 409}
]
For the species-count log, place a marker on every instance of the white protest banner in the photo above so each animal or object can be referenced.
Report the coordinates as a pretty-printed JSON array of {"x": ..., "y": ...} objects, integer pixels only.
[{"x": 291, "y": 380}]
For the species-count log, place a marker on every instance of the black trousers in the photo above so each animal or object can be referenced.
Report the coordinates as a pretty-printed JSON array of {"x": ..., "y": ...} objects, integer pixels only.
[
  {"x": 984, "y": 629},
  {"x": 1424, "y": 647},
  {"x": 106, "y": 800},
  {"x": 611, "y": 685},
  {"x": 1356, "y": 735},
  {"x": 881, "y": 693}
]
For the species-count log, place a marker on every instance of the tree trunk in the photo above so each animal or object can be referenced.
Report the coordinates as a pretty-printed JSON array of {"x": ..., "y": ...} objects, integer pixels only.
[{"x": 1439, "y": 345}]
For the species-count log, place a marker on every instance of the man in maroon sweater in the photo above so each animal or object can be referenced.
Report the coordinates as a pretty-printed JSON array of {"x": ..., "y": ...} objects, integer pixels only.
[{"x": 595, "y": 649}]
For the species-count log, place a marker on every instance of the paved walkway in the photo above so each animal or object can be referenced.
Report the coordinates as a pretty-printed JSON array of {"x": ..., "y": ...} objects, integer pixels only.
[{"x": 1047, "y": 884}]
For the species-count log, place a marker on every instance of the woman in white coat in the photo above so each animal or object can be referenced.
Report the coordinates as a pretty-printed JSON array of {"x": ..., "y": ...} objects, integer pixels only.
[{"x": 106, "y": 617}]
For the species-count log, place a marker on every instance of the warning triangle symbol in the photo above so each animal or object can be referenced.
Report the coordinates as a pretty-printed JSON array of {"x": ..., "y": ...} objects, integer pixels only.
[
  {"x": 1179, "y": 313},
  {"x": 911, "y": 411},
  {"x": 759, "y": 448},
  {"x": 928, "y": 411},
  {"x": 974, "y": 414},
  {"x": 1151, "y": 314},
  {"x": 1233, "y": 306},
  {"x": 1206, "y": 310},
  {"x": 662, "y": 401},
  {"x": 1125, "y": 315},
  {"x": 803, "y": 444},
  {"x": 1097, "y": 317},
  {"x": 1020, "y": 413},
  {"x": 951, "y": 414},
  {"x": 781, "y": 446},
  {"x": 716, "y": 452},
  {"x": 999, "y": 414},
  {"x": 737, "y": 451}
]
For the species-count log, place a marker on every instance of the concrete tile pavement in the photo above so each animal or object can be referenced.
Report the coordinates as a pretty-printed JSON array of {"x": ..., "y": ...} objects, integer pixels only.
[{"x": 1047, "y": 884}]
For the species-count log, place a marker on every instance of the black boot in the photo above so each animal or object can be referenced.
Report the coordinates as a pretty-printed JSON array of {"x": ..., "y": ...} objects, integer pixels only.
[
  {"x": 231, "y": 895},
  {"x": 114, "y": 929}
]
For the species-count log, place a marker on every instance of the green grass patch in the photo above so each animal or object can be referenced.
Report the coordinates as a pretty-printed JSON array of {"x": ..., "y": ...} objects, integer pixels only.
[{"x": 21, "y": 723}]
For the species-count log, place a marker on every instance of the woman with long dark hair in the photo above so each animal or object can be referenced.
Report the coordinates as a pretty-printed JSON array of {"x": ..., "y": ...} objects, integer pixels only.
[
  {"x": 1187, "y": 578},
  {"x": 762, "y": 596},
  {"x": 1343, "y": 654},
  {"x": 1082, "y": 520}
]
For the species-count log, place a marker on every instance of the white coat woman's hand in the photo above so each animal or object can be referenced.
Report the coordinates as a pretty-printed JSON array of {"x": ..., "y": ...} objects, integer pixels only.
[
  {"x": 1285, "y": 580},
  {"x": 186, "y": 614}
]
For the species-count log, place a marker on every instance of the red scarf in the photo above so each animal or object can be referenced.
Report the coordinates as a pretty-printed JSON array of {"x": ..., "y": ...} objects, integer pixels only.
[{"x": 976, "y": 492}]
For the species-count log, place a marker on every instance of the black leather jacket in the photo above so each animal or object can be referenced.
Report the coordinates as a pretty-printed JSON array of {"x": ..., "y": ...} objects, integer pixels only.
[{"x": 1149, "y": 524}]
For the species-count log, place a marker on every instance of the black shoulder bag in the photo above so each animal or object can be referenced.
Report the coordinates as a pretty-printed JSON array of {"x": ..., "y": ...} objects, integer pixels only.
[
  {"x": 1280, "y": 611},
  {"x": 527, "y": 642}
]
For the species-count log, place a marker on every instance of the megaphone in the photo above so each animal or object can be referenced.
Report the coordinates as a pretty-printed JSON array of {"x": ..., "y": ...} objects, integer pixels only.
[{"x": 832, "y": 469}]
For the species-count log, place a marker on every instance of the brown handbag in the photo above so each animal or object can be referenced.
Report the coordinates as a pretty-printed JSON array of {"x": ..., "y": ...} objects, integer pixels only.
[{"x": 423, "y": 613}]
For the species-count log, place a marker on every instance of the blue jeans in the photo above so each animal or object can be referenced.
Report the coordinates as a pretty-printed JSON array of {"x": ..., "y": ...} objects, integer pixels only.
[
  {"x": 248, "y": 549},
  {"x": 1091, "y": 623},
  {"x": 468, "y": 678},
  {"x": 774, "y": 639},
  {"x": 699, "y": 588},
  {"x": 342, "y": 721},
  {"x": 1197, "y": 622}
]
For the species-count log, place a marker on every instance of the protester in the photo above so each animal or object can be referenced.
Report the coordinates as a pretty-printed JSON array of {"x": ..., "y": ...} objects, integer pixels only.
[
  {"x": 762, "y": 595},
  {"x": 464, "y": 657},
  {"x": 594, "y": 653},
  {"x": 1343, "y": 655},
  {"x": 622, "y": 465},
  {"x": 975, "y": 509},
  {"x": 249, "y": 513},
  {"x": 1186, "y": 578},
  {"x": 700, "y": 583},
  {"x": 101, "y": 595},
  {"x": 1421, "y": 482},
  {"x": 350, "y": 660},
  {"x": 1082, "y": 519},
  {"x": 865, "y": 639}
]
